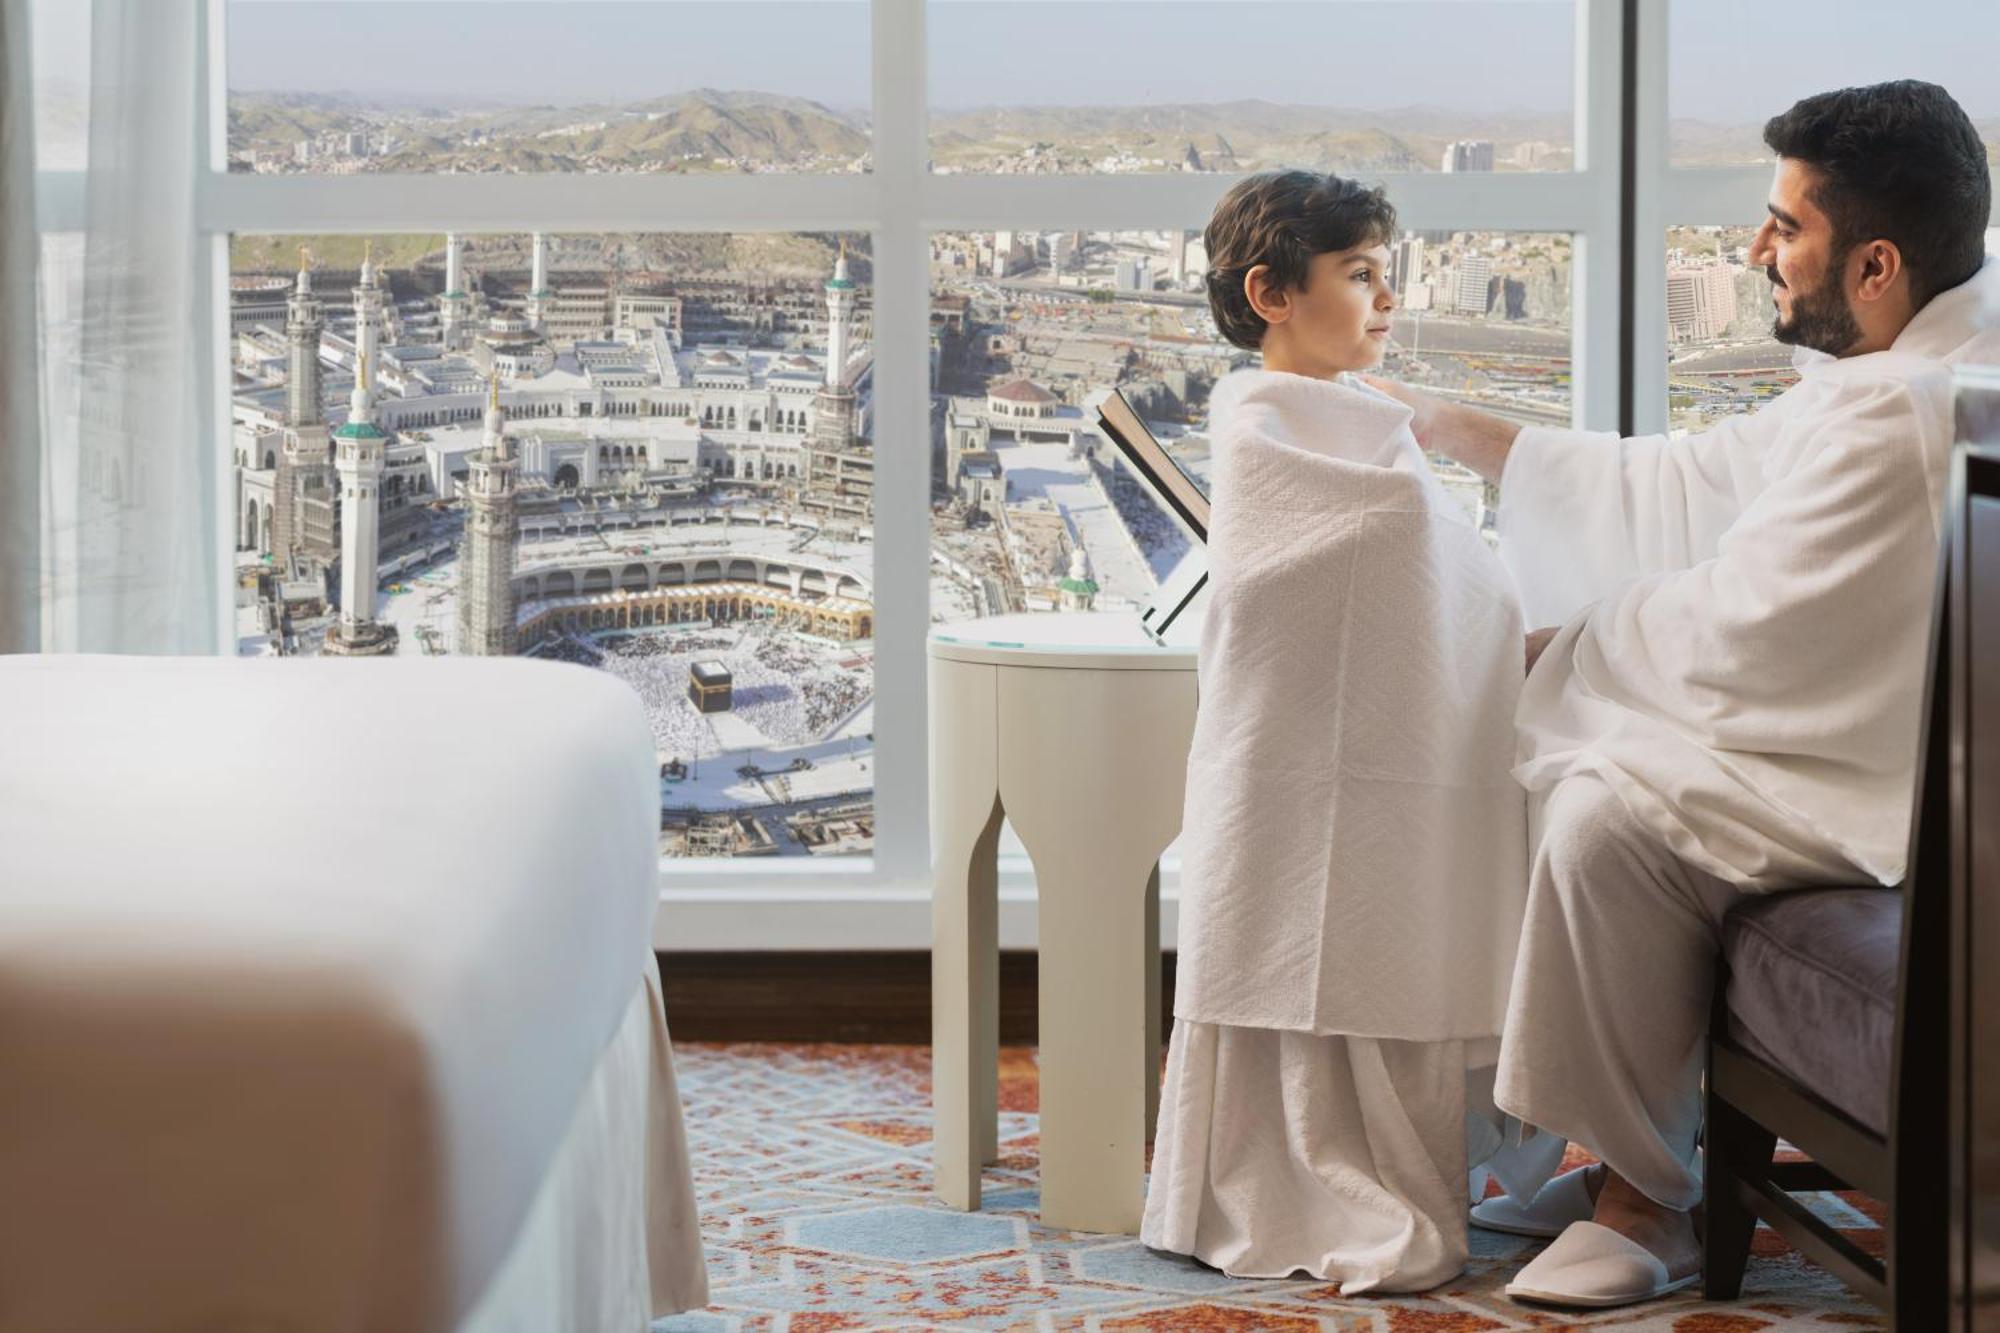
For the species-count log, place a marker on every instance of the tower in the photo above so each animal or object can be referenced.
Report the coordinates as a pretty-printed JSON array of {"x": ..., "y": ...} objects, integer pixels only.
[
  {"x": 1077, "y": 589},
  {"x": 367, "y": 308},
  {"x": 486, "y": 565},
  {"x": 359, "y": 449},
  {"x": 538, "y": 283},
  {"x": 301, "y": 518},
  {"x": 833, "y": 407},
  {"x": 455, "y": 305},
  {"x": 838, "y": 477}
]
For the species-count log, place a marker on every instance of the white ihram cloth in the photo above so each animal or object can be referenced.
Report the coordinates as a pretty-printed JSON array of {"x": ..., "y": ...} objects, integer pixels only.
[
  {"x": 1353, "y": 852},
  {"x": 1744, "y": 611},
  {"x": 1732, "y": 706}
]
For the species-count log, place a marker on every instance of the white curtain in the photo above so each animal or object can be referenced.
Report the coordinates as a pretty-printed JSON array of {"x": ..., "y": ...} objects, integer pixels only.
[
  {"x": 130, "y": 493},
  {"x": 20, "y": 410}
]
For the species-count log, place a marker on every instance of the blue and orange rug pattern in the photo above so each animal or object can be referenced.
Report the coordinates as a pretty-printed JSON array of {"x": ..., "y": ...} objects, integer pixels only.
[{"x": 812, "y": 1169}]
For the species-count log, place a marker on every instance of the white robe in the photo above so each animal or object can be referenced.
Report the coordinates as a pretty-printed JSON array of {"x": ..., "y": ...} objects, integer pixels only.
[
  {"x": 1353, "y": 849},
  {"x": 1353, "y": 853},
  {"x": 1744, "y": 611}
]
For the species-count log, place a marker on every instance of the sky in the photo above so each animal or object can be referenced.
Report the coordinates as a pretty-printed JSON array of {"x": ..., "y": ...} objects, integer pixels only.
[{"x": 1731, "y": 62}]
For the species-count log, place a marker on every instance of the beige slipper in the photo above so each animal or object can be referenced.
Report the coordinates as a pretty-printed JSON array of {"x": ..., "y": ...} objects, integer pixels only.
[{"x": 1592, "y": 1267}]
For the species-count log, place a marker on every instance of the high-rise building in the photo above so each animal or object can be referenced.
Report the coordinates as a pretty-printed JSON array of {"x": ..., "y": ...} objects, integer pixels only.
[
  {"x": 1701, "y": 302},
  {"x": 359, "y": 457},
  {"x": 492, "y": 527},
  {"x": 1472, "y": 285},
  {"x": 1406, "y": 266},
  {"x": 1467, "y": 155}
]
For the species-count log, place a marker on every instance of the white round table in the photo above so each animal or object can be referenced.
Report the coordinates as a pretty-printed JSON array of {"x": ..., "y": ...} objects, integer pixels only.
[{"x": 1075, "y": 726}]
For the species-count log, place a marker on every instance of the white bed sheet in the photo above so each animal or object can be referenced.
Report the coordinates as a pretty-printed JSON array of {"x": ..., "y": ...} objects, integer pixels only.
[{"x": 304, "y": 967}]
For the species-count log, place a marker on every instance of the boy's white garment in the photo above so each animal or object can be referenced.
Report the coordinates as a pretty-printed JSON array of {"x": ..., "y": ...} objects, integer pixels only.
[
  {"x": 1341, "y": 1157},
  {"x": 1353, "y": 852},
  {"x": 1746, "y": 615}
]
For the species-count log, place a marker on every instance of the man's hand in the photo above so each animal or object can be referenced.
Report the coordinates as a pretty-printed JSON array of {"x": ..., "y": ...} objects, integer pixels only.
[
  {"x": 1538, "y": 639},
  {"x": 1466, "y": 435},
  {"x": 1423, "y": 407}
]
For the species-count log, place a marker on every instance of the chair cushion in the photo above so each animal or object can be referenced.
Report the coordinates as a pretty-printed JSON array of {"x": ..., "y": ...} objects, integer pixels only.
[{"x": 1812, "y": 990}]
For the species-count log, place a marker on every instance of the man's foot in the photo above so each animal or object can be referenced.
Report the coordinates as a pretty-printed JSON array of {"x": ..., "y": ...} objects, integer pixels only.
[{"x": 1668, "y": 1234}]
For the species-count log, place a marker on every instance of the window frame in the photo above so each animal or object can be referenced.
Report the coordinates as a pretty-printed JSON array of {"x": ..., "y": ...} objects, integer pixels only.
[{"x": 883, "y": 901}]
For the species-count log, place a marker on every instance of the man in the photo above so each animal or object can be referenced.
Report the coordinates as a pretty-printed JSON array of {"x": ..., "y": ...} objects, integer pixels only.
[{"x": 1724, "y": 697}]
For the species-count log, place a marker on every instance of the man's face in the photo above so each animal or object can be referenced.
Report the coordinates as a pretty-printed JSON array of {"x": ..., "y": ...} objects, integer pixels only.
[{"x": 1795, "y": 247}]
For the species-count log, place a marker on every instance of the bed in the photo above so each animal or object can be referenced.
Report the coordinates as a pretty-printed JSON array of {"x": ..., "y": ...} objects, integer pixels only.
[{"x": 328, "y": 1000}]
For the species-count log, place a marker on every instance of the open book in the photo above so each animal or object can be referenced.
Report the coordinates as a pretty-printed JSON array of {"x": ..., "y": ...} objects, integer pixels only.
[{"x": 1177, "y": 603}]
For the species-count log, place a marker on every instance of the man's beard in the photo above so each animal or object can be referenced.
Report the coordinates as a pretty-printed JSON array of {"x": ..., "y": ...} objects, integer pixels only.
[{"x": 1820, "y": 318}]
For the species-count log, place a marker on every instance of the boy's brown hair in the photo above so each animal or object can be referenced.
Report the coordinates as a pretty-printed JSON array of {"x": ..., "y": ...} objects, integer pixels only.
[{"x": 1283, "y": 219}]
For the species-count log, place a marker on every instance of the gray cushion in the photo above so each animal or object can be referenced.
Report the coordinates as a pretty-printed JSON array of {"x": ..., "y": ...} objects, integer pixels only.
[{"x": 1812, "y": 990}]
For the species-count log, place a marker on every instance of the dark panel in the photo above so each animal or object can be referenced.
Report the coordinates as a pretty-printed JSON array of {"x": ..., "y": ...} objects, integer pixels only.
[{"x": 882, "y": 996}]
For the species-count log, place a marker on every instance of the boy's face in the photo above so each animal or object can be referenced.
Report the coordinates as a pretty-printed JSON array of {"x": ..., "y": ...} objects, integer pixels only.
[{"x": 1338, "y": 321}]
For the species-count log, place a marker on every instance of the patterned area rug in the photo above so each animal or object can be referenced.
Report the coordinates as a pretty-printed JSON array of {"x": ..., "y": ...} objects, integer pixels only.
[{"x": 812, "y": 1166}]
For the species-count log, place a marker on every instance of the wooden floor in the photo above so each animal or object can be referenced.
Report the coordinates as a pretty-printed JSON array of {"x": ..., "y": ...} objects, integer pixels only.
[{"x": 840, "y": 997}]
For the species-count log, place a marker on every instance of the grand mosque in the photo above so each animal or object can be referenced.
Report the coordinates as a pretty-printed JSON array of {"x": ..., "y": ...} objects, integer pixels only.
[
  {"x": 571, "y": 410},
  {"x": 660, "y": 482}
]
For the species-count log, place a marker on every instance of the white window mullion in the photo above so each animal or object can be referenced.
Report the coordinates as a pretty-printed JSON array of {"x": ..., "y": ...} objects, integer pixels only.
[
  {"x": 1649, "y": 227},
  {"x": 902, "y": 435},
  {"x": 1478, "y": 201},
  {"x": 280, "y": 205},
  {"x": 1594, "y": 320}
]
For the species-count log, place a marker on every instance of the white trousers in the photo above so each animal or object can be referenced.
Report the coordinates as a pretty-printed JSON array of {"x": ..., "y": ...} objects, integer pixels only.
[{"x": 1608, "y": 1018}]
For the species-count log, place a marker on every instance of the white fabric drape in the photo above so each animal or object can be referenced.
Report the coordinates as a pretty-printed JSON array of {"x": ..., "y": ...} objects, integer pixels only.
[
  {"x": 20, "y": 411},
  {"x": 132, "y": 536}
]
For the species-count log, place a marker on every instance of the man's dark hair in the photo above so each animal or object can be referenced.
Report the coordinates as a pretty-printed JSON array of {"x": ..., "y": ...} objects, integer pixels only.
[
  {"x": 1898, "y": 162},
  {"x": 1283, "y": 219}
]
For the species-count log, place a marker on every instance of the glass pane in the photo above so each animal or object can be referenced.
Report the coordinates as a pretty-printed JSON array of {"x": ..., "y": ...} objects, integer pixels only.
[
  {"x": 1336, "y": 85},
  {"x": 1721, "y": 357},
  {"x": 679, "y": 491},
  {"x": 1033, "y": 328},
  {"x": 59, "y": 47},
  {"x": 1731, "y": 67},
  {"x": 333, "y": 87}
]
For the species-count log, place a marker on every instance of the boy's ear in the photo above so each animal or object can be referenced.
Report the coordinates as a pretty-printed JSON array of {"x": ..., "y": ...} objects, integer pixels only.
[{"x": 1272, "y": 303}]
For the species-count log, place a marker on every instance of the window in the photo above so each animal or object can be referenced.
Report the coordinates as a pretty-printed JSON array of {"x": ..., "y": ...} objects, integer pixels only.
[
  {"x": 1030, "y": 86},
  {"x": 1731, "y": 67},
  {"x": 684, "y": 502},
  {"x": 547, "y": 86},
  {"x": 736, "y": 244},
  {"x": 1722, "y": 358}
]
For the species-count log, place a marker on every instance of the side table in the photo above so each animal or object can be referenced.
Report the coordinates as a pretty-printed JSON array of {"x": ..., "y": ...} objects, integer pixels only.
[{"x": 1075, "y": 727}]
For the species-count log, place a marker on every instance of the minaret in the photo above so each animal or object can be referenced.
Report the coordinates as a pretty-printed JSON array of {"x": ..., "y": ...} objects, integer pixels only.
[
  {"x": 486, "y": 564},
  {"x": 359, "y": 448},
  {"x": 1077, "y": 589},
  {"x": 834, "y": 479},
  {"x": 833, "y": 406},
  {"x": 367, "y": 308},
  {"x": 302, "y": 463},
  {"x": 455, "y": 304},
  {"x": 538, "y": 284}
]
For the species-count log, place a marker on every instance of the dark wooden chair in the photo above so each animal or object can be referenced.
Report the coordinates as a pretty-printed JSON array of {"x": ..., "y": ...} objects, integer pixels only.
[{"x": 1841, "y": 1021}]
